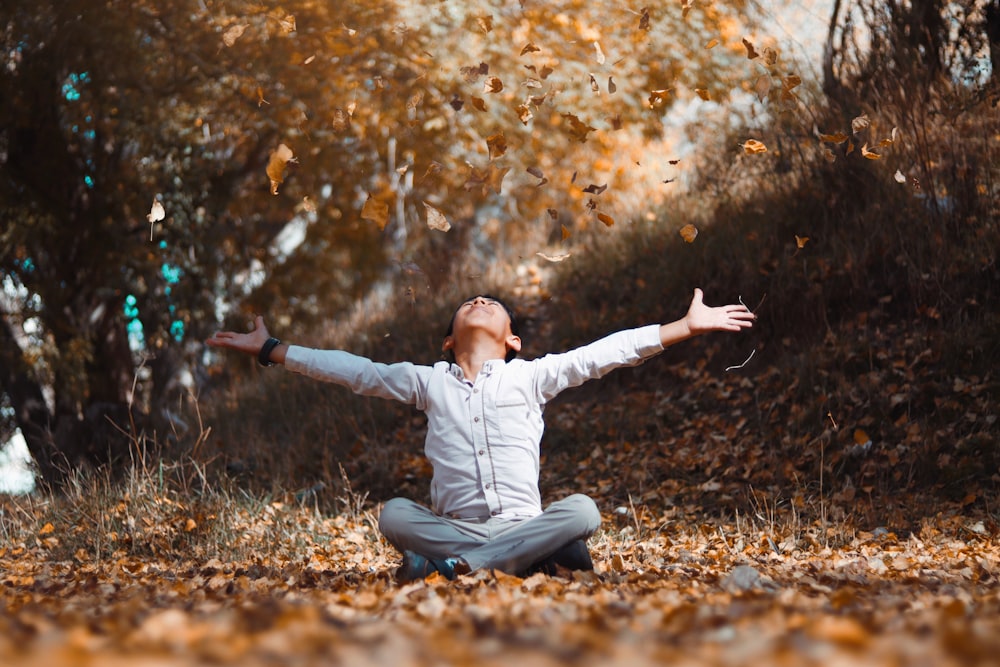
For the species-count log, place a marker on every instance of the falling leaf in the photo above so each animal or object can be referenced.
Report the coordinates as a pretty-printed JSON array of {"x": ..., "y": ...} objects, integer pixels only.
[
  {"x": 487, "y": 179},
  {"x": 414, "y": 102},
  {"x": 190, "y": 525},
  {"x": 801, "y": 241},
  {"x": 871, "y": 155},
  {"x": 478, "y": 103},
  {"x": 611, "y": 85},
  {"x": 234, "y": 33},
  {"x": 156, "y": 212},
  {"x": 553, "y": 258},
  {"x": 751, "y": 53},
  {"x": 493, "y": 84},
  {"x": 276, "y": 166},
  {"x": 762, "y": 87},
  {"x": 770, "y": 55},
  {"x": 287, "y": 24},
  {"x": 436, "y": 219},
  {"x": 595, "y": 189},
  {"x": 554, "y": 214},
  {"x": 712, "y": 43},
  {"x": 309, "y": 59},
  {"x": 861, "y": 438},
  {"x": 616, "y": 121},
  {"x": 752, "y": 146},
  {"x": 577, "y": 129},
  {"x": 351, "y": 32},
  {"x": 497, "y": 145},
  {"x": 47, "y": 529},
  {"x": 644, "y": 18},
  {"x": 606, "y": 219},
  {"x": 835, "y": 138},
  {"x": 456, "y": 102},
  {"x": 686, "y": 6},
  {"x": 529, "y": 48},
  {"x": 565, "y": 232},
  {"x": 472, "y": 73},
  {"x": 703, "y": 94},
  {"x": 536, "y": 172},
  {"x": 657, "y": 97},
  {"x": 673, "y": 162},
  {"x": 598, "y": 53},
  {"x": 376, "y": 211},
  {"x": 860, "y": 123},
  {"x": 689, "y": 232},
  {"x": 524, "y": 113},
  {"x": 260, "y": 97},
  {"x": 900, "y": 178},
  {"x": 593, "y": 84},
  {"x": 485, "y": 23}
]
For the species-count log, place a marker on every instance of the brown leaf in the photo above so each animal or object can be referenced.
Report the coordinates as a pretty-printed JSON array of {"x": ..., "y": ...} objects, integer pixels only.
[
  {"x": 577, "y": 129},
  {"x": 606, "y": 219},
  {"x": 234, "y": 33},
  {"x": 497, "y": 145},
  {"x": 593, "y": 84},
  {"x": 611, "y": 85},
  {"x": 835, "y": 138},
  {"x": 524, "y": 113},
  {"x": 376, "y": 211},
  {"x": 752, "y": 147},
  {"x": 689, "y": 232},
  {"x": 529, "y": 48},
  {"x": 276, "y": 165},
  {"x": 493, "y": 84},
  {"x": 703, "y": 94},
  {"x": 658, "y": 97},
  {"x": 485, "y": 23},
  {"x": 595, "y": 189},
  {"x": 478, "y": 103},
  {"x": 472, "y": 73},
  {"x": 751, "y": 52},
  {"x": 456, "y": 102},
  {"x": 801, "y": 241},
  {"x": 341, "y": 120},
  {"x": 565, "y": 232},
  {"x": 860, "y": 123},
  {"x": 644, "y": 18},
  {"x": 871, "y": 155},
  {"x": 436, "y": 219},
  {"x": 712, "y": 43},
  {"x": 762, "y": 86}
]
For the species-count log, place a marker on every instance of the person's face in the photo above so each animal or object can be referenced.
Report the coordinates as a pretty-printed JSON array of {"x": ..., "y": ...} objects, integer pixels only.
[{"x": 486, "y": 315}]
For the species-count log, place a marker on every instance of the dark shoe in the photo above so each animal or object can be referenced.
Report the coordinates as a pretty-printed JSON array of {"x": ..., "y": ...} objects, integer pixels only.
[
  {"x": 415, "y": 566},
  {"x": 574, "y": 556}
]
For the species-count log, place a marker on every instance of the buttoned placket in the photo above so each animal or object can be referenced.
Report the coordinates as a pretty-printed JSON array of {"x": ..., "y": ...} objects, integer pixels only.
[{"x": 480, "y": 440}]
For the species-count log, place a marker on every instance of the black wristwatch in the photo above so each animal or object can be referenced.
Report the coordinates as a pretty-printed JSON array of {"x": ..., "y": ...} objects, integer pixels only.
[{"x": 264, "y": 357}]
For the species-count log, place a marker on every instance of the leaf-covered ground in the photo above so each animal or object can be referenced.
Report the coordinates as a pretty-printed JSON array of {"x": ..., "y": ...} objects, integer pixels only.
[{"x": 665, "y": 590}]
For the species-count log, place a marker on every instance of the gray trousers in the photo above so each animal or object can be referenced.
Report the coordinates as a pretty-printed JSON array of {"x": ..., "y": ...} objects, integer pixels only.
[{"x": 509, "y": 545}]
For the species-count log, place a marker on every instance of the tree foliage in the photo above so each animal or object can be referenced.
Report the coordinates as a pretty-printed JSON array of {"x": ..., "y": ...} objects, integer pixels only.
[{"x": 142, "y": 200}]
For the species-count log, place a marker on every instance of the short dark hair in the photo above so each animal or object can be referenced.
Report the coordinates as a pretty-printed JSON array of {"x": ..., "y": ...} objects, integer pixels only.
[{"x": 511, "y": 354}]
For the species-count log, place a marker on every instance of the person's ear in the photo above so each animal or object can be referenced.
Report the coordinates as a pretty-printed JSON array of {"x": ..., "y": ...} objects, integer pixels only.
[
  {"x": 513, "y": 343},
  {"x": 449, "y": 343}
]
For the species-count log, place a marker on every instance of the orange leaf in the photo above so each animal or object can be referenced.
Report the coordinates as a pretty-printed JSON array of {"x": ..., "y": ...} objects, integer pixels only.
[
  {"x": 752, "y": 146},
  {"x": 376, "y": 211},
  {"x": 689, "y": 232}
]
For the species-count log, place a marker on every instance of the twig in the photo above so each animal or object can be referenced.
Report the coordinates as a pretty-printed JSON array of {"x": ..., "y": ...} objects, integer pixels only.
[{"x": 731, "y": 368}]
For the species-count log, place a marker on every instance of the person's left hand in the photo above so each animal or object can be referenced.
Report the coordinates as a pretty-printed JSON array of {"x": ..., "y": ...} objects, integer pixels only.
[{"x": 701, "y": 318}]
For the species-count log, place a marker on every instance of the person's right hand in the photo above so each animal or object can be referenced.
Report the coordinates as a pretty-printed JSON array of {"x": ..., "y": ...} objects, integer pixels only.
[{"x": 244, "y": 342}]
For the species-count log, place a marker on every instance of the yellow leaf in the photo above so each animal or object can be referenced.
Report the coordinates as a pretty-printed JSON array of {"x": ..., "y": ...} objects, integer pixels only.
[
  {"x": 752, "y": 146},
  {"x": 376, "y": 211},
  {"x": 436, "y": 219},
  {"x": 689, "y": 232},
  {"x": 712, "y": 43},
  {"x": 871, "y": 155},
  {"x": 801, "y": 241},
  {"x": 190, "y": 525},
  {"x": 276, "y": 166},
  {"x": 47, "y": 529}
]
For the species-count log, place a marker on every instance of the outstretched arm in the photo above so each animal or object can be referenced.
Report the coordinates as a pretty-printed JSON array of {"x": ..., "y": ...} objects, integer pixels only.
[
  {"x": 250, "y": 343},
  {"x": 702, "y": 319}
]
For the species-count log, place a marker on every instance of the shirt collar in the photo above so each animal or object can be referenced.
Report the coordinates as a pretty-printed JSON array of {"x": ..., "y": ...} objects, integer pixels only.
[{"x": 488, "y": 367}]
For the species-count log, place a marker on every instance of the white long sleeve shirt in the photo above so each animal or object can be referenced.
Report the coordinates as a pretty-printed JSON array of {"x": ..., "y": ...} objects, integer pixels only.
[{"x": 483, "y": 436}]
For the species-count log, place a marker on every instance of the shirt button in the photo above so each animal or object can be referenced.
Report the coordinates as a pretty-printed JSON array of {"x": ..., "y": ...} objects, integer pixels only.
[
  {"x": 487, "y": 486},
  {"x": 475, "y": 391},
  {"x": 482, "y": 451},
  {"x": 494, "y": 513},
  {"x": 475, "y": 419}
]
